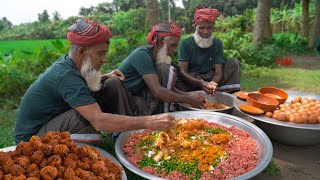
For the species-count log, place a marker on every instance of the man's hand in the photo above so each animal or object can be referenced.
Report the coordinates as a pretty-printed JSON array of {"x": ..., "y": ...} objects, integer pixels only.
[
  {"x": 161, "y": 122},
  {"x": 115, "y": 73},
  {"x": 209, "y": 87},
  {"x": 197, "y": 99}
]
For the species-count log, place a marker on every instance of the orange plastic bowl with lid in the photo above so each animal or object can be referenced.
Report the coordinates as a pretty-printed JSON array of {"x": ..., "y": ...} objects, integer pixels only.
[
  {"x": 266, "y": 103},
  {"x": 276, "y": 93}
]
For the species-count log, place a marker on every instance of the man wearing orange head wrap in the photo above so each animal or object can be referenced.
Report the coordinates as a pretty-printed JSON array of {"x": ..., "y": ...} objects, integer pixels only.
[
  {"x": 201, "y": 62},
  {"x": 69, "y": 95},
  {"x": 149, "y": 75}
]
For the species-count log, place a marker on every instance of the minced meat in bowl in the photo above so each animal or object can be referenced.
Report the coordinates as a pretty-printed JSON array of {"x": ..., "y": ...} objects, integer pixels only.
[{"x": 200, "y": 146}]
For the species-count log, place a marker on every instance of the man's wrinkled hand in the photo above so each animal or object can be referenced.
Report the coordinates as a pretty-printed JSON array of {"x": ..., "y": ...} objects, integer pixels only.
[
  {"x": 209, "y": 87},
  {"x": 115, "y": 73},
  {"x": 197, "y": 99},
  {"x": 161, "y": 122}
]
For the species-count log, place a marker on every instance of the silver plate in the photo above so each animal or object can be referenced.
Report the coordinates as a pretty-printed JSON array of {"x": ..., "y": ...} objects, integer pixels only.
[
  {"x": 265, "y": 149},
  {"x": 218, "y": 97},
  {"x": 103, "y": 153},
  {"x": 287, "y": 132}
]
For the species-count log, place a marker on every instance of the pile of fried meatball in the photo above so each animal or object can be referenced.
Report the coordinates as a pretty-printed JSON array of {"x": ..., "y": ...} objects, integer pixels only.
[{"x": 56, "y": 156}]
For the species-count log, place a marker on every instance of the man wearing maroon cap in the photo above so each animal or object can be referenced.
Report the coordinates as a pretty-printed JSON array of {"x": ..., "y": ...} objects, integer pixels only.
[
  {"x": 201, "y": 62},
  {"x": 68, "y": 96},
  {"x": 149, "y": 75}
]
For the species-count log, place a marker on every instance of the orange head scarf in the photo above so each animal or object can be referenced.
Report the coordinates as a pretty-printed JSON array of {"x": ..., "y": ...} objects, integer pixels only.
[
  {"x": 205, "y": 14},
  {"x": 163, "y": 30},
  {"x": 85, "y": 32}
]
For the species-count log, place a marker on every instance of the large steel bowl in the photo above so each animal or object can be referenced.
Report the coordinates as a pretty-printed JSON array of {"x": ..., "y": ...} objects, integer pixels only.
[
  {"x": 218, "y": 97},
  {"x": 265, "y": 149},
  {"x": 287, "y": 132}
]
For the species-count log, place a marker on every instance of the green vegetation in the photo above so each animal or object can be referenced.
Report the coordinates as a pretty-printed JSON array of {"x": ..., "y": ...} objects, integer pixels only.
[{"x": 273, "y": 169}]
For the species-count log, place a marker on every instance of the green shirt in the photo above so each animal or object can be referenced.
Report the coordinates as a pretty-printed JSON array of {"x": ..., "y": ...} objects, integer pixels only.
[
  {"x": 60, "y": 88},
  {"x": 137, "y": 64},
  {"x": 200, "y": 60}
]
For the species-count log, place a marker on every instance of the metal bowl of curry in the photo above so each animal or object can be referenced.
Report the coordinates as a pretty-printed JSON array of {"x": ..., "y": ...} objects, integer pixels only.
[{"x": 219, "y": 102}]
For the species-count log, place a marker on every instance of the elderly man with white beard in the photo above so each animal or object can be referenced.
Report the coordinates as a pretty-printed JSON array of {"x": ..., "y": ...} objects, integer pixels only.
[
  {"x": 149, "y": 75},
  {"x": 68, "y": 96},
  {"x": 201, "y": 63}
]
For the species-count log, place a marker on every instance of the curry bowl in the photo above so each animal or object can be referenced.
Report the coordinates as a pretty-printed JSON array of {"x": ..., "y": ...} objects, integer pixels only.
[
  {"x": 280, "y": 95},
  {"x": 263, "y": 143},
  {"x": 219, "y": 98},
  {"x": 261, "y": 101}
]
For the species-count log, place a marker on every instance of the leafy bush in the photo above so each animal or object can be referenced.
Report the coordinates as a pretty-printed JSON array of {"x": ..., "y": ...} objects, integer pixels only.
[{"x": 17, "y": 73}]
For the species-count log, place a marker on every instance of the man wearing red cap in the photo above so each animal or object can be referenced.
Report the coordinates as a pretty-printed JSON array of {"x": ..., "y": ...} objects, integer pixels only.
[
  {"x": 68, "y": 96},
  {"x": 201, "y": 62},
  {"x": 149, "y": 75}
]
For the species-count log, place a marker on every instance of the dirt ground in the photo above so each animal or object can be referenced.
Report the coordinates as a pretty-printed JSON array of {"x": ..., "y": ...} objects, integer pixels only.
[{"x": 296, "y": 163}]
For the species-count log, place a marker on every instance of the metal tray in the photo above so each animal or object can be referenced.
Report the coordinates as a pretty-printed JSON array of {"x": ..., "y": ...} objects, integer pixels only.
[
  {"x": 265, "y": 149},
  {"x": 218, "y": 97},
  {"x": 287, "y": 132},
  {"x": 103, "y": 153}
]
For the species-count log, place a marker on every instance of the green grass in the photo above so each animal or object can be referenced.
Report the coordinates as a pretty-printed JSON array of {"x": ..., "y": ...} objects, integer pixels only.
[
  {"x": 273, "y": 169},
  {"x": 300, "y": 76},
  {"x": 18, "y": 47}
]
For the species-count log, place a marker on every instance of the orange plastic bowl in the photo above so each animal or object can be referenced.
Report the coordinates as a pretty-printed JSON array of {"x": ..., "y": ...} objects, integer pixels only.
[
  {"x": 276, "y": 93},
  {"x": 266, "y": 103}
]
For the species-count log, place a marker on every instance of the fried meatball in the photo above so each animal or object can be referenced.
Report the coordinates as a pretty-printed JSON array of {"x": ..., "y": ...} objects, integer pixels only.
[
  {"x": 49, "y": 172},
  {"x": 47, "y": 149},
  {"x": 69, "y": 173},
  {"x": 108, "y": 176},
  {"x": 6, "y": 166},
  {"x": 60, "y": 150},
  {"x": 33, "y": 178},
  {"x": 24, "y": 161},
  {"x": 33, "y": 167},
  {"x": 1, "y": 174},
  {"x": 17, "y": 169},
  {"x": 80, "y": 152},
  {"x": 20, "y": 177},
  {"x": 82, "y": 165},
  {"x": 43, "y": 163},
  {"x": 91, "y": 153},
  {"x": 25, "y": 148},
  {"x": 7, "y": 177},
  {"x": 69, "y": 143},
  {"x": 4, "y": 157},
  {"x": 86, "y": 160},
  {"x": 72, "y": 156},
  {"x": 61, "y": 170},
  {"x": 36, "y": 142},
  {"x": 65, "y": 135},
  {"x": 14, "y": 153},
  {"x": 54, "y": 160},
  {"x": 98, "y": 167},
  {"x": 37, "y": 157},
  {"x": 35, "y": 174},
  {"x": 49, "y": 136},
  {"x": 69, "y": 163},
  {"x": 83, "y": 174}
]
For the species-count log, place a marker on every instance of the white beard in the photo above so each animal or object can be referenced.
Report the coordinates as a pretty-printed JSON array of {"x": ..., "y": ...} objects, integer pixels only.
[
  {"x": 162, "y": 56},
  {"x": 92, "y": 76},
  {"x": 202, "y": 42}
]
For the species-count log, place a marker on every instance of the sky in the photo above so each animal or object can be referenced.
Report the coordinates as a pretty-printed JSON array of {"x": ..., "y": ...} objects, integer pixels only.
[{"x": 22, "y": 11}]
